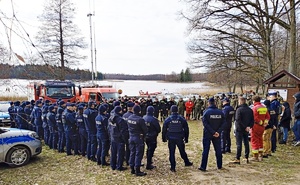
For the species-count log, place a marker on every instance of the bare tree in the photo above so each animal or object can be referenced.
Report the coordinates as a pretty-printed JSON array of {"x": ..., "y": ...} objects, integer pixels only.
[
  {"x": 221, "y": 27},
  {"x": 58, "y": 36}
]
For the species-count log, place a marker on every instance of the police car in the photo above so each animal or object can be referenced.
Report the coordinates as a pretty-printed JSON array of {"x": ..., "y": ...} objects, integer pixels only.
[{"x": 17, "y": 146}]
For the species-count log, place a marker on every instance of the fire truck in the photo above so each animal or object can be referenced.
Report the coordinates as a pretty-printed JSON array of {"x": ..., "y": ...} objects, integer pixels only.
[
  {"x": 52, "y": 90},
  {"x": 97, "y": 93}
]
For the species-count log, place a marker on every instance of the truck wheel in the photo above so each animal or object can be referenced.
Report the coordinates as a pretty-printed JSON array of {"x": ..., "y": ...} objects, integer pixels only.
[{"x": 17, "y": 156}]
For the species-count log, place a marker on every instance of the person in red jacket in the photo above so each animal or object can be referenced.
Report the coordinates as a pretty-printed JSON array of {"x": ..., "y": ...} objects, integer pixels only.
[
  {"x": 188, "y": 108},
  {"x": 261, "y": 120}
]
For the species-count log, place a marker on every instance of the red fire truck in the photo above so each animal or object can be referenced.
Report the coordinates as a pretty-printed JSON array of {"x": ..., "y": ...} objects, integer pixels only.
[
  {"x": 97, "y": 93},
  {"x": 52, "y": 90}
]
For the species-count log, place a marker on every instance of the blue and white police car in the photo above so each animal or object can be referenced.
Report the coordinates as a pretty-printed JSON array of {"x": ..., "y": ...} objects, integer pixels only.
[{"x": 17, "y": 146}]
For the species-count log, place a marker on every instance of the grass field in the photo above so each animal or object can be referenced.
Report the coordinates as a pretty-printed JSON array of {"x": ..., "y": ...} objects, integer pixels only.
[{"x": 51, "y": 167}]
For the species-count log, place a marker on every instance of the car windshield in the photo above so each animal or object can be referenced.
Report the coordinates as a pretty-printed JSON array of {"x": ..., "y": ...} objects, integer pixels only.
[
  {"x": 109, "y": 95},
  {"x": 59, "y": 92}
]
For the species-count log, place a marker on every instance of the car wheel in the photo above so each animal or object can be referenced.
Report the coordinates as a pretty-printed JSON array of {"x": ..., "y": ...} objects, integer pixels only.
[{"x": 18, "y": 156}]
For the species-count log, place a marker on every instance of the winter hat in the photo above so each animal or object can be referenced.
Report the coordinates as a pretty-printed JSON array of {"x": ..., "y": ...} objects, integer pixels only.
[
  {"x": 117, "y": 109},
  {"x": 136, "y": 109},
  {"x": 38, "y": 102},
  {"x": 51, "y": 107},
  {"x": 211, "y": 100},
  {"x": 150, "y": 109},
  {"x": 17, "y": 103},
  {"x": 116, "y": 103},
  {"x": 90, "y": 103},
  {"x": 61, "y": 102},
  {"x": 102, "y": 109},
  {"x": 174, "y": 108},
  {"x": 130, "y": 104}
]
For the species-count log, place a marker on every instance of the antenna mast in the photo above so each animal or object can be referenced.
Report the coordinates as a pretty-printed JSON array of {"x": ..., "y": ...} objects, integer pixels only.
[{"x": 91, "y": 37}]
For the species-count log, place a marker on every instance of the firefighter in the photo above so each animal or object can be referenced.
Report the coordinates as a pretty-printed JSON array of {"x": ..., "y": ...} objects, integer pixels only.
[{"x": 261, "y": 120}]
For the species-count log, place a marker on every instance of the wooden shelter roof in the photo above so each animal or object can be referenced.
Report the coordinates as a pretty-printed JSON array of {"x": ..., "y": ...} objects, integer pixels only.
[{"x": 280, "y": 75}]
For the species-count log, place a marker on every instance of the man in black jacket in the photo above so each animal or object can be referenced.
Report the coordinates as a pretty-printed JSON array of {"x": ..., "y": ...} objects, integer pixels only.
[{"x": 244, "y": 121}]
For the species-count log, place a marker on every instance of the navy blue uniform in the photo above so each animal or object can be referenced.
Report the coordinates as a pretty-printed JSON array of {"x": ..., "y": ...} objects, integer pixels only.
[
  {"x": 21, "y": 118},
  {"x": 127, "y": 149},
  {"x": 89, "y": 116},
  {"x": 60, "y": 128},
  {"x": 69, "y": 122},
  {"x": 213, "y": 121},
  {"x": 11, "y": 111},
  {"x": 53, "y": 139},
  {"x": 275, "y": 109},
  {"x": 102, "y": 138},
  {"x": 37, "y": 117},
  {"x": 151, "y": 136},
  {"x": 176, "y": 131},
  {"x": 118, "y": 131},
  {"x": 228, "y": 112},
  {"x": 45, "y": 124},
  {"x": 137, "y": 132},
  {"x": 27, "y": 111},
  {"x": 82, "y": 132}
]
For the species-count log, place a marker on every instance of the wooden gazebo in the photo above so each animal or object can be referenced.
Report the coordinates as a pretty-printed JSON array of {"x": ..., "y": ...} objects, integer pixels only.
[{"x": 287, "y": 84}]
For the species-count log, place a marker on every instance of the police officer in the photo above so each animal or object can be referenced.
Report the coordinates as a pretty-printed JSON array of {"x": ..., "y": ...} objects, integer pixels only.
[
  {"x": 27, "y": 111},
  {"x": 137, "y": 133},
  {"x": 12, "y": 115},
  {"x": 60, "y": 127},
  {"x": 129, "y": 112},
  {"x": 89, "y": 116},
  {"x": 37, "y": 118},
  {"x": 15, "y": 112},
  {"x": 118, "y": 134},
  {"x": 213, "y": 121},
  {"x": 81, "y": 129},
  {"x": 151, "y": 136},
  {"x": 52, "y": 127},
  {"x": 277, "y": 109},
  {"x": 45, "y": 124},
  {"x": 102, "y": 135},
  {"x": 21, "y": 117},
  {"x": 228, "y": 112},
  {"x": 176, "y": 131},
  {"x": 69, "y": 122}
]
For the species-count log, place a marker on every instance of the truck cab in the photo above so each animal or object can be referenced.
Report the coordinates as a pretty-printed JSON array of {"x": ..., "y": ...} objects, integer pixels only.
[{"x": 52, "y": 90}]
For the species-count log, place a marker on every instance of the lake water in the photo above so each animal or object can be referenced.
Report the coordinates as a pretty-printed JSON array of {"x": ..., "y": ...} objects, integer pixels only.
[
  {"x": 132, "y": 87},
  {"x": 18, "y": 87}
]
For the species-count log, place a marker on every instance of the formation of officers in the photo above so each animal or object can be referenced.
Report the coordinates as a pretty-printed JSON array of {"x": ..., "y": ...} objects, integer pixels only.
[
  {"x": 92, "y": 130},
  {"x": 124, "y": 126}
]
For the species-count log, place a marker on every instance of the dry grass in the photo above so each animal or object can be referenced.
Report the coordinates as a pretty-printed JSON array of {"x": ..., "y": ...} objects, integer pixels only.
[
  {"x": 13, "y": 98},
  {"x": 54, "y": 168}
]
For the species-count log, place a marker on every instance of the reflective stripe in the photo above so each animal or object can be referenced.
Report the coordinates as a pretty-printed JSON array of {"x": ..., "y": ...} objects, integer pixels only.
[{"x": 262, "y": 110}]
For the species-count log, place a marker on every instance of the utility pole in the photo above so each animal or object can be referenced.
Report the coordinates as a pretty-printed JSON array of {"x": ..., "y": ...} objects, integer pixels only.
[{"x": 91, "y": 34}]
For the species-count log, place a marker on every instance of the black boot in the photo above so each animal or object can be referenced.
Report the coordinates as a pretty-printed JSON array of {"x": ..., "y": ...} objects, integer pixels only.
[
  {"x": 132, "y": 170},
  {"x": 138, "y": 172},
  {"x": 150, "y": 167}
]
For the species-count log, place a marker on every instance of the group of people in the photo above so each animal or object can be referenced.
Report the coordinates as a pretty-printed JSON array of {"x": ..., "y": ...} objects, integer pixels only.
[
  {"x": 261, "y": 121},
  {"x": 124, "y": 126}
]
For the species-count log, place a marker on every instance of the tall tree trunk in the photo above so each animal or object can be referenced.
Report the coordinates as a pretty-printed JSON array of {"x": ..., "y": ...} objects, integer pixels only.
[
  {"x": 293, "y": 33},
  {"x": 62, "y": 60}
]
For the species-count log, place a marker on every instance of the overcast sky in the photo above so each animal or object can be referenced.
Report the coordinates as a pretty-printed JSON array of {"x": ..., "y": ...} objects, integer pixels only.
[{"x": 133, "y": 36}]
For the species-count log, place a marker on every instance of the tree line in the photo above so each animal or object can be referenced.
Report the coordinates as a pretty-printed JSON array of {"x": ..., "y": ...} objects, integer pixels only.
[{"x": 44, "y": 72}]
